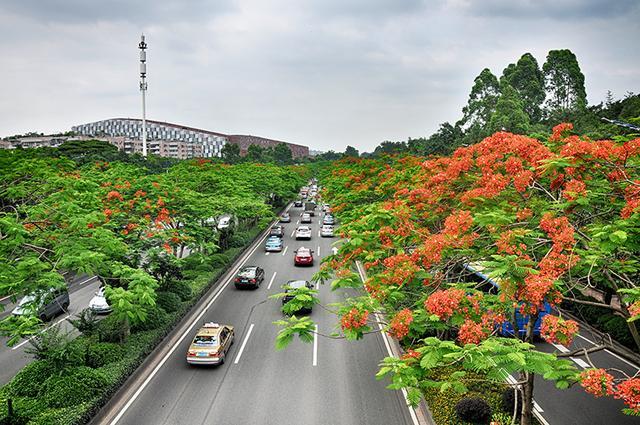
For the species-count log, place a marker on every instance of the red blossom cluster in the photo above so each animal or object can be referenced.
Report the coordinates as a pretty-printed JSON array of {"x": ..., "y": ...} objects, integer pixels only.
[
  {"x": 597, "y": 382},
  {"x": 560, "y": 131},
  {"x": 399, "y": 270},
  {"x": 114, "y": 194},
  {"x": 629, "y": 392},
  {"x": 471, "y": 332},
  {"x": 634, "y": 309},
  {"x": 574, "y": 189},
  {"x": 457, "y": 223},
  {"x": 399, "y": 326},
  {"x": 354, "y": 319},
  {"x": 557, "y": 330},
  {"x": 411, "y": 354},
  {"x": 444, "y": 303},
  {"x": 632, "y": 196}
]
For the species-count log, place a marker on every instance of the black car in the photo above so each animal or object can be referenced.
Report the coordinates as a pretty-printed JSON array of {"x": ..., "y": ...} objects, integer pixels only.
[
  {"x": 295, "y": 284},
  {"x": 277, "y": 231},
  {"x": 249, "y": 277},
  {"x": 297, "y": 203}
]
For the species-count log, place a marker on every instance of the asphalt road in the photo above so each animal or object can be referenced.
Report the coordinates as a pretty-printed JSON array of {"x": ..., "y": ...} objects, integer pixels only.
[
  {"x": 575, "y": 406},
  {"x": 326, "y": 382},
  {"x": 12, "y": 359}
]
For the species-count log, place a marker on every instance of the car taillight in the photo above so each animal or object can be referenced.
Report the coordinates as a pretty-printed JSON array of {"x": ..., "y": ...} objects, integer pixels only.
[
  {"x": 191, "y": 353},
  {"x": 252, "y": 281},
  {"x": 237, "y": 279}
]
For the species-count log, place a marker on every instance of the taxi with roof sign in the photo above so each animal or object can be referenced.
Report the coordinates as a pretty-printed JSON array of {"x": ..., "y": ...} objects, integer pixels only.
[{"x": 210, "y": 344}]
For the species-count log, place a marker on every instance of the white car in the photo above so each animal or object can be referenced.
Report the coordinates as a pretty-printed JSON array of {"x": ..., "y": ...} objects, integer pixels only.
[
  {"x": 99, "y": 304},
  {"x": 306, "y": 218},
  {"x": 303, "y": 232},
  {"x": 326, "y": 230}
]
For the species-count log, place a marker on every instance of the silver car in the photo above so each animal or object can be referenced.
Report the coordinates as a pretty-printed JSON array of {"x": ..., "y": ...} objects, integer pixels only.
[
  {"x": 303, "y": 232},
  {"x": 327, "y": 231}
]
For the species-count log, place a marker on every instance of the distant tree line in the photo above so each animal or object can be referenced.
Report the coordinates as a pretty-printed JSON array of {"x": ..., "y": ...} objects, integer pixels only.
[{"x": 526, "y": 99}]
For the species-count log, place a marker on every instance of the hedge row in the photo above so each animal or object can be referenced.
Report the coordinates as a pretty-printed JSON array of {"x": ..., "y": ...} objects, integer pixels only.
[{"x": 40, "y": 395}]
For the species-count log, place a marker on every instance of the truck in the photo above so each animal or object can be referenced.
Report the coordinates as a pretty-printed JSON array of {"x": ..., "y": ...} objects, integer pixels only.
[{"x": 310, "y": 207}]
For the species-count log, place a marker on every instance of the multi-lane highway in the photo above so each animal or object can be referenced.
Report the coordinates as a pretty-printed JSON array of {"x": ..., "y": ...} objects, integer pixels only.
[
  {"x": 12, "y": 359},
  {"x": 326, "y": 382}
]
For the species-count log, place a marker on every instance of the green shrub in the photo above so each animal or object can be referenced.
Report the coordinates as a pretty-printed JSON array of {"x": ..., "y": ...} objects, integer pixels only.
[
  {"x": 218, "y": 261},
  {"x": 182, "y": 289},
  {"x": 111, "y": 329},
  {"x": 239, "y": 239},
  {"x": 28, "y": 381},
  {"x": 197, "y": 262},
  {"x": 168, "y": 301},
  {"x": 156, "y": 317},
  {"x": 24, "y": 409},
  {"x": 62, "y": 416},
  {"x": 99, "y": 354},
  {"x": 474, "y": 410},
  {"x": 86, "y": 322},
  {"x": 76, "y": 386}
]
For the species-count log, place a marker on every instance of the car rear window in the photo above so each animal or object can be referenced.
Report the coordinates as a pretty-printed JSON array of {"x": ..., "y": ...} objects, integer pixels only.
[{"x": 205, "y": 340}]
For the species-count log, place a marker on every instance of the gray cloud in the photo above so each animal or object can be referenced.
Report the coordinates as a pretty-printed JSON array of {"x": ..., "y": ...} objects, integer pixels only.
[
  {"x": 564, "y": 10},
  {"x": 321, "y": 73}
]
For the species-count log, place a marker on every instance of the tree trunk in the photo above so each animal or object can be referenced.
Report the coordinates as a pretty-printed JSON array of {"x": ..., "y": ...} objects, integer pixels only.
[
  {"x": 527, "y": 388},
  {"x": 527, "y": 399}
]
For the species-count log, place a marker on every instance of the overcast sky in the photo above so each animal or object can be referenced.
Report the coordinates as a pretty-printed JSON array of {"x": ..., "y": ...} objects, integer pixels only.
[{"x": 323, "y": 73}]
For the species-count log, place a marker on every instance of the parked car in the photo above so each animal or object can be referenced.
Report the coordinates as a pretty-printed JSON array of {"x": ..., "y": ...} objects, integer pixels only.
[
  {"x": 327, "y": 231},
  {"x": 292, "y": 285},
  {"x": 303, "y": 257},
  {"x": 303, "y": 232},
  {"x": 210, "y": 344},
  {"x": 328, "y": 219},
  {"x": 277, "y": 231},
  {"x": 99, "y": 304},
  {"x": 285, "y": 218},
  {"x": 44, "y": 304},
  {"x": 297, "y": 203},
  {"x": 274, "y": 244},
  {"x": 249, "y": 276},
  {"x": 306, "y": 218},
  {"x": 227, "y": 222}
]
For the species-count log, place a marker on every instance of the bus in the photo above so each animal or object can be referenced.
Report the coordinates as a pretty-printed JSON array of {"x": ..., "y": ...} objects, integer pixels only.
[{"x": 480, "y": 275}]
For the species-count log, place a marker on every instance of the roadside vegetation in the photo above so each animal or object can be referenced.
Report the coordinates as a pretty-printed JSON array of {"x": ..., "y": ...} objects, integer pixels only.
[
  {"x": 151, "y": 237},
  {"x": 552, "y": 217}
]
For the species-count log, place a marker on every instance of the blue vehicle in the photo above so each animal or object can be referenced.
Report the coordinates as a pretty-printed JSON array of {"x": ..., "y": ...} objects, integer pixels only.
[
  {"x": 274, "y": 244},
  {"x": 491, "y": 285}
]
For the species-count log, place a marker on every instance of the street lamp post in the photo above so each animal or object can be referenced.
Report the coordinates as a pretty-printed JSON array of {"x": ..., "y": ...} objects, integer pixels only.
[{"x": 143, "y": 88}]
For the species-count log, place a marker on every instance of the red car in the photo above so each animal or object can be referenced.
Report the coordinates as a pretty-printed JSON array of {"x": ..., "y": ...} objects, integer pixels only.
[{"x": 303, "y": 257}]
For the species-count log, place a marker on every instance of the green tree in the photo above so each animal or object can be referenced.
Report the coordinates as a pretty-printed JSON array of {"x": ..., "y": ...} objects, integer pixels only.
[
  {"x": 282, "y": 154},
  {"x": 509, "y": 114},
  {"x": 231, "y": 153},
  {"x": 564, "y": 83},
  {"x": 351, "y": 151},
  {"x": 527, "y": 78},
  {"x": 482, "y": 100}
]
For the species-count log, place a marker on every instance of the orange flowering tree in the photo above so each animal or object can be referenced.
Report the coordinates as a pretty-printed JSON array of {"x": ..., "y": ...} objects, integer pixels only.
[{"x": 546, "y": 219}]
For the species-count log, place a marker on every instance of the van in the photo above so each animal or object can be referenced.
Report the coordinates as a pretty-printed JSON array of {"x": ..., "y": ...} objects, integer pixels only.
[
  {"x": 480, "y": 275},
  {"x": 44, "y": 304}
]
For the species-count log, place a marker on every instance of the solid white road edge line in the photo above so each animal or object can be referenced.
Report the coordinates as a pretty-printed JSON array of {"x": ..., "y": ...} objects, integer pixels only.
[
  {"x": 318, "y": 253},
  {"x": 15, "y": 347},
  {"x": 412, "y": 412},
  {"x": 244, "y": 343},
  {"x": 285, "y": 250},
  {"x": 272, "y": 279},
  {"x": 183, "y": 336},
  {"x": 609, "y": 352},
  {"x": 315, "y": 347},
  {"x": 87, "y": 280}
]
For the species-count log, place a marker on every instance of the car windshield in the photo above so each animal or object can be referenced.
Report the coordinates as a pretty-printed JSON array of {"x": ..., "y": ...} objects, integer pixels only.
[
  {"x": 205, "y": 340},
  {"x": 303, "y": 252}
]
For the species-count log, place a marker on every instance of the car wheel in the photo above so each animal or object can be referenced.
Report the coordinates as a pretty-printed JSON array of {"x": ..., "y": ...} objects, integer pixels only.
[
  {"x": 65, "y": 306},
  {"x": 43, "y": 317},
  {"x": 222, "y": 360}
]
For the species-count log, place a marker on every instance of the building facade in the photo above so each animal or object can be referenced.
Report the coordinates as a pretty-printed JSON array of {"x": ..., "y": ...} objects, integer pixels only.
[{"x": 173, "y": 140}]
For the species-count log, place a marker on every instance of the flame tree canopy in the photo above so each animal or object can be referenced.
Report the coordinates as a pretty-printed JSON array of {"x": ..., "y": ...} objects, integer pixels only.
[{"x": 545, "y": 217}]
